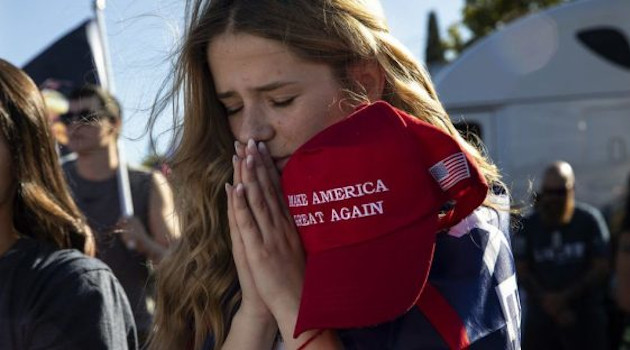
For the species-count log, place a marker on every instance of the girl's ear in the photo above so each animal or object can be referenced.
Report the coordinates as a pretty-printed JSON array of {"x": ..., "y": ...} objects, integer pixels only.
[{"x": 370, "y": 78}]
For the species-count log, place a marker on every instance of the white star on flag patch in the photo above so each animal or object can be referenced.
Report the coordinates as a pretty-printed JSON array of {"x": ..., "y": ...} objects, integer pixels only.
[{"x": 450, "y": 170}]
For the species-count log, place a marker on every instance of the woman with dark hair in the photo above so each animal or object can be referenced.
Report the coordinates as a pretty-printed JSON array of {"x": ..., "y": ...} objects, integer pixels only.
[{"x": 53, "y": 294}]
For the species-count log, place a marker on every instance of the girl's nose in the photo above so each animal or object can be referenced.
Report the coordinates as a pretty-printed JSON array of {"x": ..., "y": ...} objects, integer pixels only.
[{"x": 255, "y": 124}]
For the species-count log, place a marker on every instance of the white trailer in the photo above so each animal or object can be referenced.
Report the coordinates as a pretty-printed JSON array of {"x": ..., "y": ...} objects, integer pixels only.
[{"x": 553, "y": 85}]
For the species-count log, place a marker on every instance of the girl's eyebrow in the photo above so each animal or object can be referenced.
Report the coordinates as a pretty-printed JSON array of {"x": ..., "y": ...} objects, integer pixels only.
[{"x": 267, "y": 87}]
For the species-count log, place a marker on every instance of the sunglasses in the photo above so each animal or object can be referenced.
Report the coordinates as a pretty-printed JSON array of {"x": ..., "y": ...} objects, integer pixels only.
[{"x": 85, "y": 116}]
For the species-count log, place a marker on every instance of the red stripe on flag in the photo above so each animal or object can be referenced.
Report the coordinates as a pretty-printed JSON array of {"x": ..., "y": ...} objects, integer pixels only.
[{"x": 443, "y": 317}]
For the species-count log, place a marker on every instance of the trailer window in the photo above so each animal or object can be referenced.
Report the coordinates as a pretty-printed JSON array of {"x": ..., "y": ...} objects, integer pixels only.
[
  {"x": 470, "y": 131},
  {"x": 608, "y": 43}
]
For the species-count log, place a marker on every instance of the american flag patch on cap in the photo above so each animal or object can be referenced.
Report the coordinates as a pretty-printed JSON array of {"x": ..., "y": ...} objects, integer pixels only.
[{"x": 450, "y": 170}]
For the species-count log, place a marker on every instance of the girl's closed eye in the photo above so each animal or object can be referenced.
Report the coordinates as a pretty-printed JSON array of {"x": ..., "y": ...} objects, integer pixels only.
[
  {"x": 230, "y": 110},
  {"x": 283, "y": 102}
]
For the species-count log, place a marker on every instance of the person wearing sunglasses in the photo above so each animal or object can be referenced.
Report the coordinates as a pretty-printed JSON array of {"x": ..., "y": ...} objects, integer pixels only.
[
  {"x": 562, "y": 254},
  {"x": 127, "y": 245},
  {"x": 85, "y": 117}
]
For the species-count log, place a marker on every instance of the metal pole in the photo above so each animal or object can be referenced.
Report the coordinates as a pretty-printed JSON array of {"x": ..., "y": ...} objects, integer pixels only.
[
  {"x": 124, "y": 188},
  {"x": 99, "y": 11}
]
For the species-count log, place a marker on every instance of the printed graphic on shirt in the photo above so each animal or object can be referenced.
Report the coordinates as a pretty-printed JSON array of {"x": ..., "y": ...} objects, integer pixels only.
[{"x": 559, "y": 251}]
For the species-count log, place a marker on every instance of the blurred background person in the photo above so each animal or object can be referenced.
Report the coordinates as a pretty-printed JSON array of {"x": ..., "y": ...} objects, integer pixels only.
[
  {"x": 51, "y": 294},
  {"x": 562, "y": 262},
  {"x": 127, "y": 245},
  {"x": 622, "y": 272},
  {"x": 616, "y": 214}
]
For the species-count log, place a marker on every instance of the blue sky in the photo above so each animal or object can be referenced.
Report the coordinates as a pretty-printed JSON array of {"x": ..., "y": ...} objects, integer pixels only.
[{"x": 142, "y": 33}]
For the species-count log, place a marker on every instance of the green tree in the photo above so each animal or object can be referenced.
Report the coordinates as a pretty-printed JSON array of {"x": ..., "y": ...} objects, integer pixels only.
[
  {"x": 434, "y": 52},
  {"x": 153, "y": 160},
  {"x": 482, "y": 17}
]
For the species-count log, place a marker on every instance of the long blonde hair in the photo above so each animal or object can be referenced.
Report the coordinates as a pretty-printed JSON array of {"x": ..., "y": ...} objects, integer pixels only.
[
  {"x": 42, "y": 208},
  {"x": 197, "y": 283}
]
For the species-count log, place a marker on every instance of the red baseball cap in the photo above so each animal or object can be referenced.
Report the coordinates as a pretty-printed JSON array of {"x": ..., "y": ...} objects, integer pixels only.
[{"x": 365, "y": 195}]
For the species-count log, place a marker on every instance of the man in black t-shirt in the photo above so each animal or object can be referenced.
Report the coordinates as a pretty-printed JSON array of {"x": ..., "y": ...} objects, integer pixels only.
[
  {"x": 128, "y": 245},
  {"x": 562, "y": 262}
]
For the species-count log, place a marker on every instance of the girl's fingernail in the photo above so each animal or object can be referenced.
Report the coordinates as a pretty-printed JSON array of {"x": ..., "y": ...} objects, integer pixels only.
[
  {"x": 239, "y": 189},
  {"x": 237, "y": 145},
  {"x": 251, "y": 145},
  {"x": 250, "y": 161},
  {"x": 262, "y": 148},
  {"x": 234, "y": 159}
]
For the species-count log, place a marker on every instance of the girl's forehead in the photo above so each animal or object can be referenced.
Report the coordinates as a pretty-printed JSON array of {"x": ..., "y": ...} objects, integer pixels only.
[
  {"x": 245, "y": 46},
  {"x": 249, "y": 60}
]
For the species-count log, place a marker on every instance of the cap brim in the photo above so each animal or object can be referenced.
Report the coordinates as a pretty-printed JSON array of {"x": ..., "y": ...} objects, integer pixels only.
[{"x": 368, "y": 283}]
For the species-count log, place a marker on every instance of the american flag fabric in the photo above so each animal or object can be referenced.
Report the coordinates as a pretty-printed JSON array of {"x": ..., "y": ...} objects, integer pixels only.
[
  {"x": 474, "y": 271},
  {"x": 475, "y": 274},
  {"x": 450, "y": 170}
]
